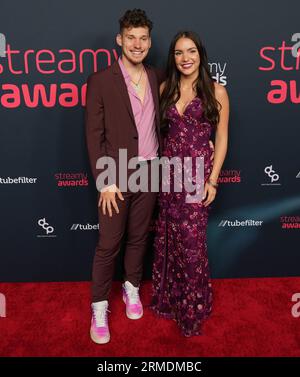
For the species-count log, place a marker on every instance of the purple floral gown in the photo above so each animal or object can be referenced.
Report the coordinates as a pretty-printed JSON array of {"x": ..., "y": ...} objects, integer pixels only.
[{"x": 181, "y": 280}]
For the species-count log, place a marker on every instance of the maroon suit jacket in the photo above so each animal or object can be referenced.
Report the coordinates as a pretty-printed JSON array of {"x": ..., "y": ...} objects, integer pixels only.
[{"x": 109, "y": 119}]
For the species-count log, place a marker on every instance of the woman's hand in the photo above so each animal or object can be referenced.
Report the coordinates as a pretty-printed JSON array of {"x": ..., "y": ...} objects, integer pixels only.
[{"x": 209, "y": 194}]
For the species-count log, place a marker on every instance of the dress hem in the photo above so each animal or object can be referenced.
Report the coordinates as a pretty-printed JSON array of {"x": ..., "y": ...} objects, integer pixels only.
[{"x": 173, "y": 317}]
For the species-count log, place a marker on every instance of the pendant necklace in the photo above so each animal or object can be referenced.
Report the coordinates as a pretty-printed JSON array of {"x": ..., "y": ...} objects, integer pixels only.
[{"x": 137, "y": 84}]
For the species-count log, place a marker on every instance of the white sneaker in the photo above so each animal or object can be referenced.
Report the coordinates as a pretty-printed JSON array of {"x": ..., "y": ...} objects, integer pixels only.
[
  {"x": 99, "y": 325},
  {"x": 134, "y": 307}
]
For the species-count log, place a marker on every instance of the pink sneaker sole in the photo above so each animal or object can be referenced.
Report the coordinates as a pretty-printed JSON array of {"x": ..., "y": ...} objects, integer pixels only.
[
  {"x": 99, "y": 340},
  {"x": 131, "y": 315}
]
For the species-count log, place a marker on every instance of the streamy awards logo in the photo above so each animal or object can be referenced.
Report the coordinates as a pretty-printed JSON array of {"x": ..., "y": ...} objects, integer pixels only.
[
  {"x": 51, "y": 65},
  {"x": 281, "y": 59}
]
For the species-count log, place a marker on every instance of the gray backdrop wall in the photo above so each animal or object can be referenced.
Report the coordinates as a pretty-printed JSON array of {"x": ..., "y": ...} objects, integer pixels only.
[{"x": 47, "y": 194}]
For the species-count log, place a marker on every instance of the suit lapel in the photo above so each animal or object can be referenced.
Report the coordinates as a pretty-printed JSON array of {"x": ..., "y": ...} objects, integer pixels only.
[{"x": 122, "y": 88}]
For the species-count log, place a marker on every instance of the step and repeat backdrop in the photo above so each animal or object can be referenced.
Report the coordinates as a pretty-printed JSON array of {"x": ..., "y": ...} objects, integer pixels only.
[{"x": 49, "y": 225}]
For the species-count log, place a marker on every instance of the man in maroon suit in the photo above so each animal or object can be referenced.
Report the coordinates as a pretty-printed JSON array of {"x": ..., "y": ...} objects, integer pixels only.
[{"x": 122, "y": 112}]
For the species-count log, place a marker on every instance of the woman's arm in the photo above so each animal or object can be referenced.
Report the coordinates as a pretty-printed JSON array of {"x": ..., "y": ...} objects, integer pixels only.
[{"x": 221, "y": 140}]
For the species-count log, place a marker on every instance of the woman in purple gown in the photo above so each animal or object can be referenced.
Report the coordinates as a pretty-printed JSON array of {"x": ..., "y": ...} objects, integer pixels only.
[{"x": 192, "y": 106}]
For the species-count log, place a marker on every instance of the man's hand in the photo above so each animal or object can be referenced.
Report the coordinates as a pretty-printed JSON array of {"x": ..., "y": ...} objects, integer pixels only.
[{"x": 108, "y": 199}]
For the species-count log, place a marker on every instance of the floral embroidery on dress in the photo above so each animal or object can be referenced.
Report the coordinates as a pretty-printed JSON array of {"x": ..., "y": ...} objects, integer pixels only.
[{"x": 181, "y": 282}]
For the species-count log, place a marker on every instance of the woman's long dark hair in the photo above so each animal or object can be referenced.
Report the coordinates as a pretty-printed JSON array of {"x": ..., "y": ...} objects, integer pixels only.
[{"x": 204, "y": 84}]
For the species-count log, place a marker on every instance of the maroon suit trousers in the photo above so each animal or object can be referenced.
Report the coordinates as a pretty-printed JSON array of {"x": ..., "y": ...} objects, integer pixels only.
[{"x": 134, "y": 219}]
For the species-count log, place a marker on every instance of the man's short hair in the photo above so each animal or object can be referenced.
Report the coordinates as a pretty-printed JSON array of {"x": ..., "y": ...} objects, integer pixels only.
[{"x": 135, "y": 18}]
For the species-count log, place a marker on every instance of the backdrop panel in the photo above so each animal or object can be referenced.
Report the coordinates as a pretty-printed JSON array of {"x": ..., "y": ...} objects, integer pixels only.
[{"x": 48, "y": 196}]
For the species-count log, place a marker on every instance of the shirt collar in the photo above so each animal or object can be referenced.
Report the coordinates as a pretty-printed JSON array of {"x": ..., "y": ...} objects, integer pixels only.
[{"x": 123, "y": 70}]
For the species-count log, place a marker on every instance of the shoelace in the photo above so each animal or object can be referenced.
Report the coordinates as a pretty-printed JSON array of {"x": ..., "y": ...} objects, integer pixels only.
[
  {"x": 133, "y": 295},
  {"x": 100, "y": 317}
]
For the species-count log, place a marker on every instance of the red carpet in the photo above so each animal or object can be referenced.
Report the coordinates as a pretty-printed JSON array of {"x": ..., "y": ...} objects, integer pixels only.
[{"x": 251, "y": 317}]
